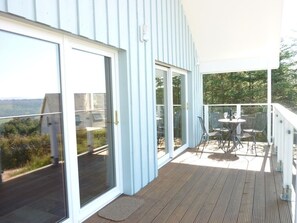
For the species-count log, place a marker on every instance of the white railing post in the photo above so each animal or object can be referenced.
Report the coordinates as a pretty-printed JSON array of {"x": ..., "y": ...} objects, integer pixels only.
[
  {"x": 278, "y": 142},
  {"x": 206, "y": 119},
  {"x": 269, "y": 99},
  {"x": 273, "y": 146},
  {"x": 238, "y": 111},
  {"x": 288, "y": 159},
  {"x": 0, "y": 167},
  {"x": 269, "y": 124}
]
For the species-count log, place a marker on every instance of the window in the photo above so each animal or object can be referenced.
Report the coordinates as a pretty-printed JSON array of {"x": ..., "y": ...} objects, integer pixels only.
[{"x": 31, "y": 136}]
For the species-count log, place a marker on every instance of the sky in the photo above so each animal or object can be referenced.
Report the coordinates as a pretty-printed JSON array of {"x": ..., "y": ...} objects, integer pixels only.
[{"x": 30, "y": 68}]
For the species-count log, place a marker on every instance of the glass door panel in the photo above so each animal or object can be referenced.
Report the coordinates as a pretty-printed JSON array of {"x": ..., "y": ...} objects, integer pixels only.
[
  {"x": 161, "y": 112},
  {"x": 94, "y": 131},
  {"x": 179, "y": 109},
  {"x": 171, "y": 112},
  {"x": 32, "y": 164}
]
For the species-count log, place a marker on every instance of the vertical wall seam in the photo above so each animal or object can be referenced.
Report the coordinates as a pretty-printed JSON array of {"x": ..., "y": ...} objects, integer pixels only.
[
  {"x": 6, "y": 6},
  {"x": 167, "y": 33},
  {"x": 163, "y": 28},
  {"x": 107, "y": 22},
  {"x": 139, "y": 90},
  {"x": 94, "y": 21},
  {"x": 119, "y": 25},
  {"x": 59, "y": 14},
  {"x": 78, "y": 17},
  {"x": 35, "y": 10},
  {"x": 153, "y": 97},
  {"x": 145, "y": 92},
  {"x": 157, "y": 29},
  {"x": 130, "y": 95}
]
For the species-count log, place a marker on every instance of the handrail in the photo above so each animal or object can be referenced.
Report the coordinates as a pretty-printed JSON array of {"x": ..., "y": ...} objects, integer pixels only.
[
  {"x": 287, "y": 114},
  {"x": 31, "y": 115},
  {"x": 244, "y": 104}
]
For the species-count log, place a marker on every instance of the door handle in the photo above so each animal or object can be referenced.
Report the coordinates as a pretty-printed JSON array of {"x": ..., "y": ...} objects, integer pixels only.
[
  {"x": 116, "y": 119},
  {"x": 116, "y": 122}
]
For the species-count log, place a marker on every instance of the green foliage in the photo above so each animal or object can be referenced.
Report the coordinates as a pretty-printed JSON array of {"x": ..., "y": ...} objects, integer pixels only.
[
  {"x": 251, "y": 87},
  {"x": 99, "y": 137},
  {"x": 232, "y": 88},
  {"x": 20, "y": 126},
  {"x": 18, "y": 150},
  {"x": 284, "y": 79}
]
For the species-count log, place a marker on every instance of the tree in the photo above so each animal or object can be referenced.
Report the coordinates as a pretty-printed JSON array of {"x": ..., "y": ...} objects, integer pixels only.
[
  {"x": 241, "y": 87},
  {"x": 251, "y": 87},
  {"x": 284, "y": 79},
  {"x": 20, "y": 126}
]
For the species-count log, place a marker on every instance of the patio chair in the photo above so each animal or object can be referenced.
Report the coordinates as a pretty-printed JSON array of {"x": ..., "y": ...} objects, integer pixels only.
[
  {"x": 258, "y": 127},
  {"x": 207, "y": 135}
]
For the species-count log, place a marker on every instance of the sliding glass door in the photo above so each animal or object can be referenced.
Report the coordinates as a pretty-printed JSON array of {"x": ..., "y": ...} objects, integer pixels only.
[
  {"x": 162, "y": 113},
  {"x": 179, "y": 108},
  {"x": 94, "y": 130},
  {"x": 171, "y": 112}
]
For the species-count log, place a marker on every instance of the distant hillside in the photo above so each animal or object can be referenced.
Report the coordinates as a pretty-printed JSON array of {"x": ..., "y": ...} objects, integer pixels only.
[{"x": 15, "y": 107}]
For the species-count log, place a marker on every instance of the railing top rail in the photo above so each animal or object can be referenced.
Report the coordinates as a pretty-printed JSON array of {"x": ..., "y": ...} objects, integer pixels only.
[
  {"x": 28, "y": 116},
  {"x": 245, "y": 104},
  {"x": 290, "y": 116}
]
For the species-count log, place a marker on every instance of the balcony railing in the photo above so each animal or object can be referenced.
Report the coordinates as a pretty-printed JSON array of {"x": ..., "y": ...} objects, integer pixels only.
[{"x": 281, "y": 135}]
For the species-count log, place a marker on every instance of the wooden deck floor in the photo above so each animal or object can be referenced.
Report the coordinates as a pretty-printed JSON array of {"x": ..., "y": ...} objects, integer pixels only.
[{"x": 213, "y": 187}]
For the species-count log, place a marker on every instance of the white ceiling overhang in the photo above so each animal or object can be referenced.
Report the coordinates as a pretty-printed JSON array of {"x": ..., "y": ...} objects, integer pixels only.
[{"x": 235, "y": 35}]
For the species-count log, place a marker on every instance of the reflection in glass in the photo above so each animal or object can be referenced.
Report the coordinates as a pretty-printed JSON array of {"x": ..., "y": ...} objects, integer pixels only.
[
  {"x": 179, "y": 109},
  {"x": 93, "y": 125},
  {"x": 32, "y": 167},
  {"x": 161, "y": 114}
]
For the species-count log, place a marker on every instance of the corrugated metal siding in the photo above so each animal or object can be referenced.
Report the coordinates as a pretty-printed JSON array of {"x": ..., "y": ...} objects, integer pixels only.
[{"x": 116, "y": 23}]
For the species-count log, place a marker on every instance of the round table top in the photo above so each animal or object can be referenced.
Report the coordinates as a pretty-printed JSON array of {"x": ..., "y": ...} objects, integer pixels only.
[{"x": 234, "y": 120}]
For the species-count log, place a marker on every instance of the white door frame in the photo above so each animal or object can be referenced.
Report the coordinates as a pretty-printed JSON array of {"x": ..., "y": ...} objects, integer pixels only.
[
  {"x": 90, "y": 208},
  {"x": 169, "y": 110},
  {"x": 66, "y": 42}
]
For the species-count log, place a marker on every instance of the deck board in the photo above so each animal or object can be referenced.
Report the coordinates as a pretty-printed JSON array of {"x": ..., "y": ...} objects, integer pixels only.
[
  {"x": 233, "y": 208},
  {"x": 214, "y": 187},
  {"x": 195, "y": 198},
  {"x": 246, "y": 206}
]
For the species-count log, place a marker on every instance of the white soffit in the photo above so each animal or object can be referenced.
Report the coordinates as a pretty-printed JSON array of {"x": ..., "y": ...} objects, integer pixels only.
[{"x": 235, "y": 35}]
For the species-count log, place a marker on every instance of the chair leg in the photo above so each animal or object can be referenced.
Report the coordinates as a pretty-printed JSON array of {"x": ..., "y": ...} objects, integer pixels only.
[
  {"x": 202, "y": 140},
  {"x": 255, "y": 145}
]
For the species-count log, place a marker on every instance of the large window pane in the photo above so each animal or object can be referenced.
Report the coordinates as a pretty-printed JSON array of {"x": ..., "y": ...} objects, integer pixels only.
[
  {"x": 92, "y": 95},
  {"x": 161, "y": 112},
  {"x": 32, "y": 185},
  {"x": 179, "y": 109}
]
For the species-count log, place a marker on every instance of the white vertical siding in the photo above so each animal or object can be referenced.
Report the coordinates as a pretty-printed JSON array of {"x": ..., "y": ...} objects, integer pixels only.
[
  {"x": 160, "y": 30},
  {"x": 150, "y": 91},
  {"x": 134, "y": 96},
  {"x": 3, "y": 6},
  {"x": 22, "y": 8},
  {"x": 117, "y": 23},
  {"x": 112, "y": 21},
  {"x": 46, "y": 12},
  {"x": 68, "y": 16},
  {"x": 169, "y": 30},
  {"x": 123, "y": 24},
  {"x": 101, "y": 32},
  {"x": 142, "y": 88},
  {"x": 86, "y": 18}
]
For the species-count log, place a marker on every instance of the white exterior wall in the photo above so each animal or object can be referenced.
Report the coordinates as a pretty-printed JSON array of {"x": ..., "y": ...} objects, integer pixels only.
[{"x": 116, "y": 23}]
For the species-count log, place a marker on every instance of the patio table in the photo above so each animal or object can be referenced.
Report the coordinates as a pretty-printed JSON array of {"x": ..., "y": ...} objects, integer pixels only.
[{"x": 232, "y": 135}]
